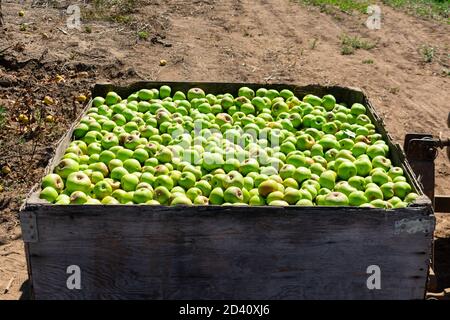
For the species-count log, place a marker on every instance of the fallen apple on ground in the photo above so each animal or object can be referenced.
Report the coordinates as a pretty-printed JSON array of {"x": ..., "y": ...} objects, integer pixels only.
[{"x": 260, "y": 147}]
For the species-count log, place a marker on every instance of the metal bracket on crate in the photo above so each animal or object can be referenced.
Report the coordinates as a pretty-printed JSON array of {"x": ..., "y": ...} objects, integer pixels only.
[
  {"x": 421, "y": 151},
  {"x": 29, "y": 226}
]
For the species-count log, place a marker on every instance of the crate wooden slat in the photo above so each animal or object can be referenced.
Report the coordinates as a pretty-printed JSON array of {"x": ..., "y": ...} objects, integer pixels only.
[{"x": 216, "y": 252}]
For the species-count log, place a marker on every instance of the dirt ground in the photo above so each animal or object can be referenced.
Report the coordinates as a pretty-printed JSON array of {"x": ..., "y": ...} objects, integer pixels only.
[{"x": 206, "y": 40}]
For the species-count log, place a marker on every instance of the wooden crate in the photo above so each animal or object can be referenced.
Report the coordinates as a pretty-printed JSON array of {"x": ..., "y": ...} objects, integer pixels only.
[{"x": 217, "y": 252}]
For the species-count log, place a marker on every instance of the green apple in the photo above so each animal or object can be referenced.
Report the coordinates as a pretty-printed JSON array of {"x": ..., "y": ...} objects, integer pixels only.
[
  {"x": 124, "y": 154},
  {"x": 193, "y": 193},
  {"x": 144, "y": 185},
  {"x": 109, "y": 200},
  {"x": 401, "y": 205},
  {"x": 99, "y": 166},
  {"x": 346, "y": 170},
  {"x": 62, "y": 199},
  {"x": 363, "y": 166},
  {"x": 66, "y": 167},
  {"x": 161, "y": 194},
  {"x": 305, "y": 142},
  {"x": 379, "y": 203},
  {"x": 394, "y": 200},
  {"x": 387, "y": 189},
  {"x": 249, "y": 165},
  {"x": 411, "y": 197},
  {"x": 102, "y": 189},
  {"x": 201, "y": 200},
  {"x": 195, "y": 93},
  {"x": 161, "y": 170},
  {"x": 357, "y": 109},
  {"x": 362, "y": 119},
  {"x": 80, "y": 130},
  {"x": 141, "y": 155},
  {"x": 301, "y": 174},
  {"x": 336, "y": 199},
  {"x": 142, "y": 195},
  {"x": 357, "y": 198},
  {"x": 248, "y": 182},
  {"x": 179, "y": 96},
  {"x": 395, "y": 172},
  {"x": 145, "y": 94},
  {"x": 78, "y": 197},
  {"x": 402, "y": 189},
  {"x": 129, "y": 182},
  {"x": 92, "y": 136},
  {"x": 287, "y": 183},
  {"x": 375, "y": 150},
  {"x": 345, "y": 154},
  {"x": 286, "y": 171},
  {"x": 373, "y": 193},
  {"x": 328, "y": 179},
  {"x": 78, "y": 181},
  {"x": 218, "y": 180},
  {"x": 304, "y": 203},
  {"x": 381, "y": 162},
  {"x": 329, "y": 102},
  {"x": 266, "y": 187},
  {"x": 330, "y": 127},
  {"x": 132, "y": 165},
  {"x": 276, "y": 195},
  {"x": 114, "y": 163},
  {"x": 234, "y": 179},
  {"x": 347, "y": 144},
  {"x": 287, "y": 147},
  {"x": 106, "y": 156},
  {"x": 118, "y": 173},
  {"x": 204, "y": 186},
  {"x": 357, "y": 182},
  {"x": 233, "y": 195},
  {"x": 109, "y": 140},
  {"x": 399, "y": 178},
  {"x": 49, "y": 193},
  {"x": 312, "y": 100},
  {"x": 216, "y": 196},
  {"x": 278, "y": 203},
  {"x": 380, "y": 177},
  {"x": 122, "y": 196},
  {"x": 359, "y": 148},
  {"x": 212, "y": 161},
  {"x": 317, "y": 169},
  {"x": 164, "y": 180},
  {"x": 257, "y": 200},
  {"x": 344, "y": 187},
  {"x": 164, "y": 92},
  {"x": 187, "y": 180},
  {"x": 53, "y": 180},
  {"x": 312, "y": 187},
  {"x": 131, "y": 141},
  {"x": 292, "y": 196}
]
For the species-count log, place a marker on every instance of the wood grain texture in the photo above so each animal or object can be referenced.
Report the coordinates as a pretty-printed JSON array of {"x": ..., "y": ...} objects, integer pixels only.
[{"x": 230, "y": 253}]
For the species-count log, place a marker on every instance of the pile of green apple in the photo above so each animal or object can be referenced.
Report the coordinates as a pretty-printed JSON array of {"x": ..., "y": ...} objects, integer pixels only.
[{"x": 259, "y": 148}]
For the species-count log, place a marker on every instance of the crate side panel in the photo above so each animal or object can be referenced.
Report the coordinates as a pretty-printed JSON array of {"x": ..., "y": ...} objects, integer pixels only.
[{"x": 237, "y": 254}]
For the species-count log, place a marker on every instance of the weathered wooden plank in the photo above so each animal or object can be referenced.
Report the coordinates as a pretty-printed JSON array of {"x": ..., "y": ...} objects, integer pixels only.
[{"x": 230, "y": 254}]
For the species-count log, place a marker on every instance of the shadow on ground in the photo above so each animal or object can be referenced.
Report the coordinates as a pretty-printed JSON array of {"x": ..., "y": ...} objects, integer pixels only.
[{"x": 442, "y": 262}]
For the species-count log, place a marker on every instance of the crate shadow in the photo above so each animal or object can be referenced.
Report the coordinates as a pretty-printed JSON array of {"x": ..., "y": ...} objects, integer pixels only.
[
  {"x": 442, "y": 262},
  {"x": 25, "y": 290}
]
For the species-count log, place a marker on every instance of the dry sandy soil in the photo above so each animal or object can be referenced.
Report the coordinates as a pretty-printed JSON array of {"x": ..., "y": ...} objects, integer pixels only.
[{"x": 209, "y": 40}]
